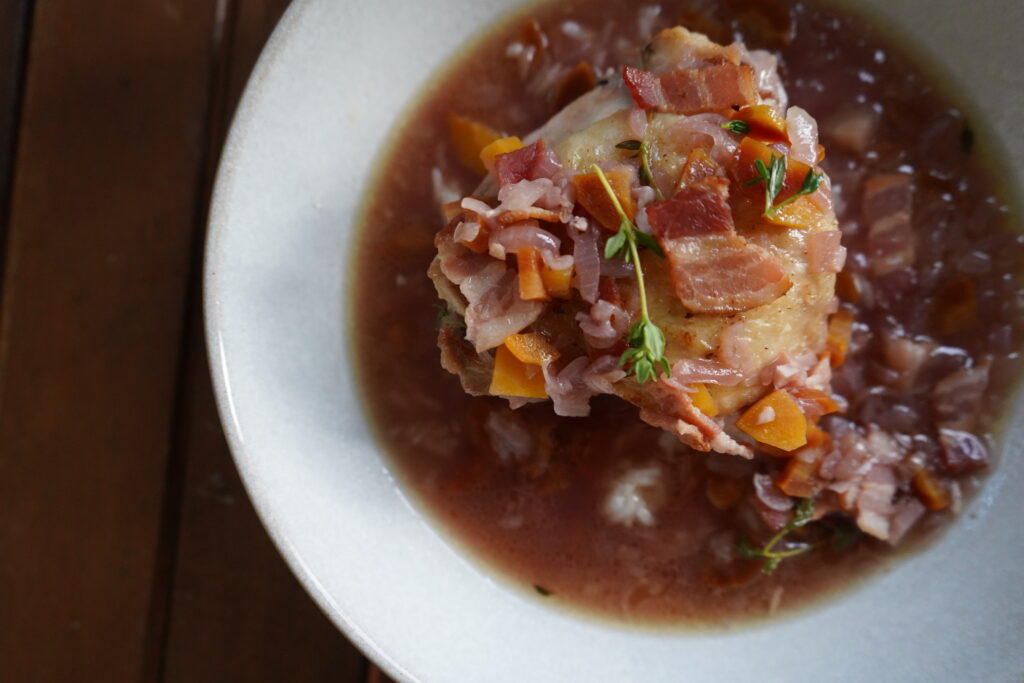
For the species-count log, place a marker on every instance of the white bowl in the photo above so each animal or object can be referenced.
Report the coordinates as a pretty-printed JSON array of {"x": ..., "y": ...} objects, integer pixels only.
[{"x": 331, "y": 83}]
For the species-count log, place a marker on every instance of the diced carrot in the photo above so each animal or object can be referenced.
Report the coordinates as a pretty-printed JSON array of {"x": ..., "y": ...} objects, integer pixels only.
[
  {"x": 931, "y": 492},
  {"x": 531, "y": 348},
  {"x": 531, "y": 284},
  {"x": 576, "y": 83},
  {"x": 776, "y": 420},
  {"x": 557, "y": 282},
  {"x": 750, "y": 151},
  {"x": 590, "y": 193},
  {"x": 848, "y": 286},
  {"x": 698, "y": 166},
  {"x": 803, "y": 212},
  {"x": 481, "y": 242},
  {"x": 840, "y": 327},
  {"x": 956, "y": 306},
  {"x": 512, "y": 377},
  {"x": 826, "y": 404},
  {"x": 798, "y": 479},
  {"x": 816, "y": 436},
  {"x": 722, "y": 491},
  {"x": 499, "y": 146},
  {"x": 765, "y": 123},
  {"x": 702, "y": 398},
  {"x": 469, "y": 138}
]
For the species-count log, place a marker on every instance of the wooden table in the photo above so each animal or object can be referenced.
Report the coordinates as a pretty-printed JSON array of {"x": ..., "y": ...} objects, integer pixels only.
[{"x": 128, "y": 548}]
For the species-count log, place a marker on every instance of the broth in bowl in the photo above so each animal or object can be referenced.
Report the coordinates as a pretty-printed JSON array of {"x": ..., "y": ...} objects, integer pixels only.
[{"x": 624, "y": 516}]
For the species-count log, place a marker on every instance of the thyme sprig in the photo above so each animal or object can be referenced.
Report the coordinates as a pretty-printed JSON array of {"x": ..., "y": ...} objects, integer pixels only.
[
  {"x": 737, "y": 126},
  {"x": 773, "y": 175},
  {"x": 643, "y": 151},
  {"x": 646, "y": 353},
  {"x": 803, "y": 511}
]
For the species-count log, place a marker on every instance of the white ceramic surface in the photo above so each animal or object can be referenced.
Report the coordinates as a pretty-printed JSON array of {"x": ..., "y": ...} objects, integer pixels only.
[{"x": 329, "y": 86}]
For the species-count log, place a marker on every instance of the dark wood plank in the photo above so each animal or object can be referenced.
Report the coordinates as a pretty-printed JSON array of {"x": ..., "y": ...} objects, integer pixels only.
[
  {"x": 237, "y": 613},
  {"x": 14, "y": 31},
  {"x": 102, "y": 211}
]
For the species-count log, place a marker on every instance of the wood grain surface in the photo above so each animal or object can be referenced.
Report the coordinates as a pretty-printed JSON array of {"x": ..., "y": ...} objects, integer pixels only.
[{"x": 128, "y": 548}]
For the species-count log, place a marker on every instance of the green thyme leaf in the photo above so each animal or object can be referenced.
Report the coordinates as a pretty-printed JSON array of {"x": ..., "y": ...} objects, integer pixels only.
[
  {"x": 615, "y": 244},
  {"x": 648, "y": 242},
  {"x": 803, "y": 512},
  {"x": 773, "y": 175},
  {"x": 629, "y": 144},
  {"x": 736, "y": 126},
  {"x": 646, "y": 352},
  {"x": 646, "y": 176}
]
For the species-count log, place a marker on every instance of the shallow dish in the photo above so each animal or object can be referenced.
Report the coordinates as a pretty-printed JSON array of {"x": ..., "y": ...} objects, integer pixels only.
[{"x": 318, "y": 109}]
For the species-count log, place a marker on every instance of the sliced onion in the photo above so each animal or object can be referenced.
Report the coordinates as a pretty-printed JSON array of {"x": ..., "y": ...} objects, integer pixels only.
[
  {"x": 803, "y": 136},
  {"x": 522, "y": 235},
  {"x": 706, "y": 370},
  {"x": 604, "y": 325},
  {"x": 588, "y": 264}
]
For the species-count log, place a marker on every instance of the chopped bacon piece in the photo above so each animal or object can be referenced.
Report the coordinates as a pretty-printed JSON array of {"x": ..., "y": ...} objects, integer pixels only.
[
  {"x": 724, "y": 273},
  {"x": 957, "y": 398},
  {"x": 527, "y": 163},
  {"x": 715, "y": 88},
  {"x": 825, "y": 253},
  {"x": 712, "y": 268},
  {"x": 887, "y": 207},
  {"x": 962, "y": 451},
  {"x": 645, "y": 88},
  {"x": 696, "y": 210},
  {"x": 668, "y": 406}
]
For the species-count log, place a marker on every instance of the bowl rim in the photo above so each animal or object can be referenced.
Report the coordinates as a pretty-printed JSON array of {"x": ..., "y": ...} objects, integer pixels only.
[
  {"x": 219, "y": 213},
  {"x": 216, "y": 224}
]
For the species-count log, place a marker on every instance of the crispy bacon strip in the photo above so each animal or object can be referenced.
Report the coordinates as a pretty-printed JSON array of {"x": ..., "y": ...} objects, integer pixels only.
[
  {"x": 694, "y": 211},
  {"x": 526, "y": 163},
  {"x": 714, "y": 88},
  {"x": 713, "y": 269}
]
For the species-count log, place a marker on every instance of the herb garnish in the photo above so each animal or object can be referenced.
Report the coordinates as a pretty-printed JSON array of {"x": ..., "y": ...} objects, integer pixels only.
[
  {"x": 542, "y": 590},
  {"x": 773, "y": 175},
  {"x": 646, "y": 353},
  {"x": 737, "y": 126},
  {"x": 802, "y": 513},
  {"x": 643, "y": 150}
]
